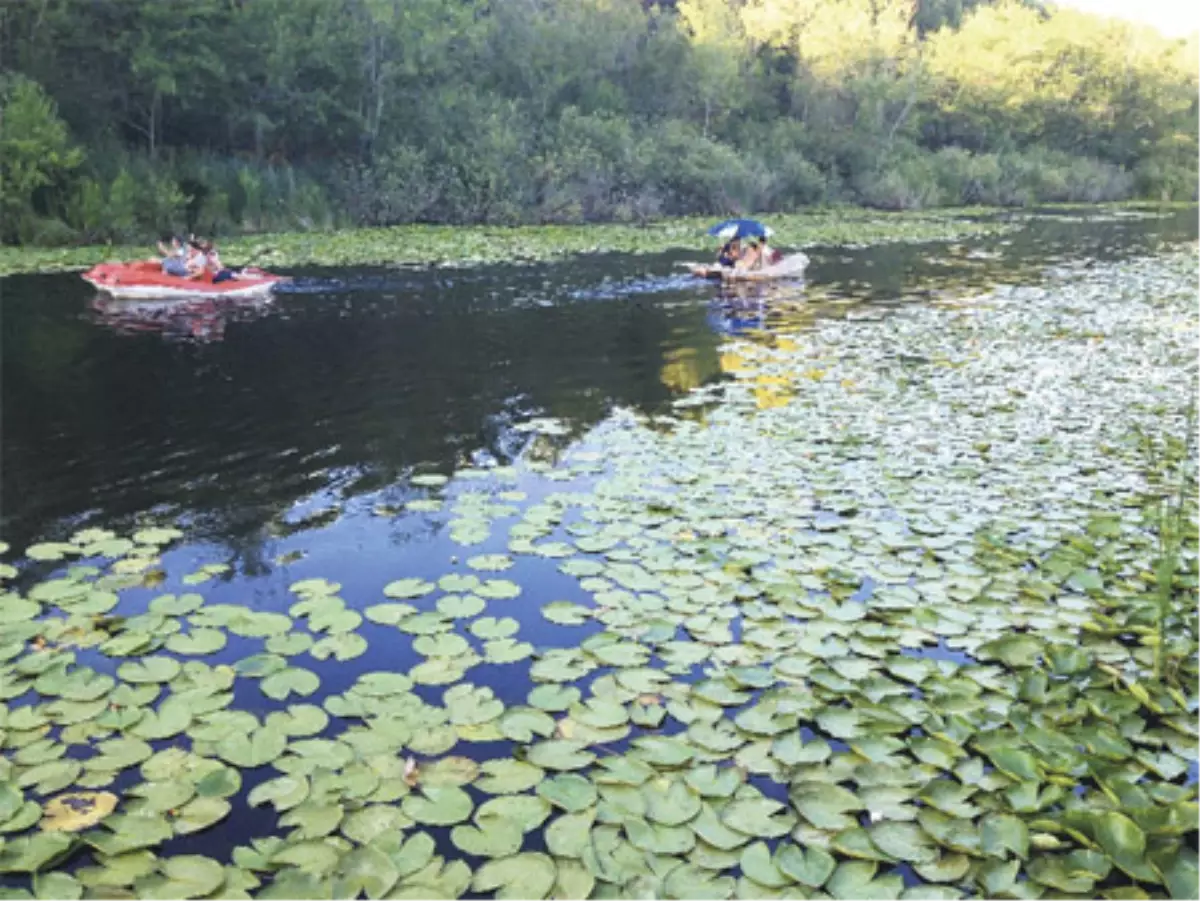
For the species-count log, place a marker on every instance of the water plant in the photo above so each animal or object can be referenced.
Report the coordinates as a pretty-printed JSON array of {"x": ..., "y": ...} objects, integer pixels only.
[{"x": 475, "y": 245}]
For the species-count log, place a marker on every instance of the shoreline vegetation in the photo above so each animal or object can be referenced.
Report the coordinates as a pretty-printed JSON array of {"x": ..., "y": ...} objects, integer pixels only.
[
  {"x": 456, "y": 246},
  {"x": 123, "y": 122}
]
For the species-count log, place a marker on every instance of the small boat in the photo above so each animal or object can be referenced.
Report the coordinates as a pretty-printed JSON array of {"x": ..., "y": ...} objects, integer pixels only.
[
  {"x": 789, "y": 267},
  {"x": 145, "y": 279}
]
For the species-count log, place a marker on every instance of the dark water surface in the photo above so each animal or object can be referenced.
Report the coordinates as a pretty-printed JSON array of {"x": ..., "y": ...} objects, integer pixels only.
[
  {"x": 283, "y": 435},
  {"x": 242, "y": 416}
]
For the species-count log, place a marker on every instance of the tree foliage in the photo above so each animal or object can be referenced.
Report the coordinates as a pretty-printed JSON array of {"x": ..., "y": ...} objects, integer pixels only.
[{"x": 253, "y": 114}]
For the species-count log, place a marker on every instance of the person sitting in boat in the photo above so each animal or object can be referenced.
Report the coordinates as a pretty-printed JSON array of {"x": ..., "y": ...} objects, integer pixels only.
[
  {"x": 212, "y": 262},
  {"x": 769, "y": 256},
  {"x": 730, "y": 253},
  {"x": 752, "y": 258},
  {"x": 175, "y": 258}
]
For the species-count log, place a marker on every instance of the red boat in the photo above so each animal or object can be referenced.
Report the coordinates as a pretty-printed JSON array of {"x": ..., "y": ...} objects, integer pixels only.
[{"x": 145, "y": 279}]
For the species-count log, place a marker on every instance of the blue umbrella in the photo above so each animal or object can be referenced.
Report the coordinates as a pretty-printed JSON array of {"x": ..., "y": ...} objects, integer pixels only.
[{"x": 739, "y": 228}]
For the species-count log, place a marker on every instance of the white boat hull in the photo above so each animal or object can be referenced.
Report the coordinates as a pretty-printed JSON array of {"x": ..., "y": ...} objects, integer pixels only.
[{"x": 160, "y": 292}]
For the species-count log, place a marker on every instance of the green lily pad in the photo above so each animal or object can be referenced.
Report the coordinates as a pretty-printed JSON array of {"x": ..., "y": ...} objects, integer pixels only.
[
  {"x": 461, "y": 606},
  {"x": 506, "y": 777},
  {"x": 528, "y": 875},
  {"x": 571, "y": 792},
  {"x": 200, "y": 814},
  {"x": 489, "y": 627},
  {"x": 289, "y": 644},
  {"x": 557, "y": 754},
  {"x": 198, "y": 642},
  {"x": 408, "y": 588},
  {"x": 313, "y": 819},
  {"x": 757, "y": 817},
  {"x": 284, "y": 792},
  {"x": 342, "y": 647},
  {"x": 438, "y": 805},
  {"x": 526, "y": 812},
  {"x": 291, "y": 680},
  {"x": 490, "y": 562},
  {"x": 570, "y": 834},
  {"x": 498, "y": 589},
  {"x": 493, "y": 837},
  {"x": 365, "y": 869},
  {"x": 256, "y": 749},
  {"x": 808, "y": 866},
  {"x": 1124, "y": 843}
]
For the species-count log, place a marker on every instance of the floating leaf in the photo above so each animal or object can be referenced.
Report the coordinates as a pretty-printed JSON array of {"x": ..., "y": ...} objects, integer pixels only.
[
  {"x": 810, "y": 866},
  {"x": 570, "y": 792},
  {"x": 342, "y": 647},
  {"x": 756, "y": 864},
  {"x": 557, "y": 754},
  {"x": 524, "y": 811},
  {"x": 528, "y": 875},
  {"x": 299, "y": 720},
  {"x": 554, "y": 697},
  {"x": 505, "y": 777},
  {"x": 449, "y": 771},
  {"x": 289, "y": 681},
  {"x": 1001, "y": 833},
  {"x": 77, "y": 811},
  {"x": 493, "y": 837},
  {"x": 284, "y": 792},
  {"x": 198, "y": 642},
  {"x": 438, "y": 805},
  {"x": 498, "y": 589},
  {"x": 367, "y": 824},
  {"x": 408, "y": 588},
  {"x": 490, "y": 562},
  {"x": 313, "y": 819},
  {"x": 189, "y": 876},
  {"x": 52, "y": 776},
  {"x": 199, "y": 814},
  {"x": 365, "y": 869},
  {"x": 1124, "y": 843},
  {"x": 258, "y": 748},
  {"x": 570, "y": 834}
]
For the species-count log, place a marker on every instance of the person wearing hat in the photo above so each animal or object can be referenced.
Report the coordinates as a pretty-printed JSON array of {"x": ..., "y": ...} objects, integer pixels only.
[{"x": 730, "y": 253}]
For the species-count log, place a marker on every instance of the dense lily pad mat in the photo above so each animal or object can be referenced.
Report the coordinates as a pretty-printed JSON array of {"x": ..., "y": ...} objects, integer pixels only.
[
  {"x": 417, "y": 245},
  {"x": 905, "y": 610}
]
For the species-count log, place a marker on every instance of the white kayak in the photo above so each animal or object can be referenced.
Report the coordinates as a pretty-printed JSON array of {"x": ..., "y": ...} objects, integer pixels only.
[{"x": 791, "y": 266}]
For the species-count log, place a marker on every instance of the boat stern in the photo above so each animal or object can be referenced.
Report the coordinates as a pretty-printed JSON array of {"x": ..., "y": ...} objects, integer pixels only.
[{"x": 101, "y": 276}]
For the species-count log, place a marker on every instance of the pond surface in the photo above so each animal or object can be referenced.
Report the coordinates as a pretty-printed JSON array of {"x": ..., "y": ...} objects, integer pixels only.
[
  {"x": 240, "y": 418},
  {"x": 287, "y": 438}
]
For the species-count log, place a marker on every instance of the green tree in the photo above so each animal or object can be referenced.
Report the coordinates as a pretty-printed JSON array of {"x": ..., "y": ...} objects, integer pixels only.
[{"x": 36, "y": 153}]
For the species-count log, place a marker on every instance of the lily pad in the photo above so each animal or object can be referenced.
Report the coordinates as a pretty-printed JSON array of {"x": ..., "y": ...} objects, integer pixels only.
[
  {"x": 438, "y": 805},
  {"x": 528, "y": 875},
  {"x": 74, "y": 812}
]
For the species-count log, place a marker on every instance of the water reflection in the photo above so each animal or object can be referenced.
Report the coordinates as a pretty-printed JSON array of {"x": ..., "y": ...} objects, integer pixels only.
[
  {"x": 199, "y": 319},
  {"x": 340, "y": 387},
  {"x": 334, "y": 393}
]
